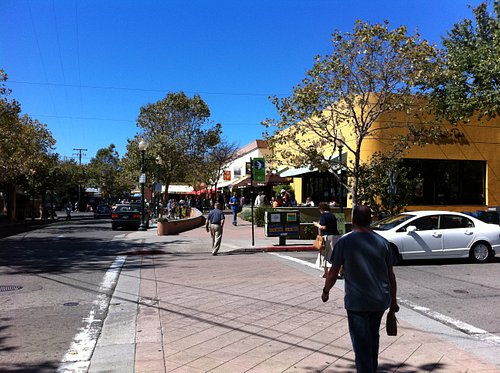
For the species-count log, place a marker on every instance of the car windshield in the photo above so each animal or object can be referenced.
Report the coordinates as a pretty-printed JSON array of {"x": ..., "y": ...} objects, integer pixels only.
[
  {"x": 128, "y": 208},
  {"x": 391, "y": 222}
]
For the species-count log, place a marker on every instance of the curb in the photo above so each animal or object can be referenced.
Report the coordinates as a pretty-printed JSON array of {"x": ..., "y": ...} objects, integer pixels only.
[{"x": 274, "y": 248}]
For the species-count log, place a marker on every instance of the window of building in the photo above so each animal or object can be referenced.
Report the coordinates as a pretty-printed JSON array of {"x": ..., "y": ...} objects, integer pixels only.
[{"x": 448, "y": 182}]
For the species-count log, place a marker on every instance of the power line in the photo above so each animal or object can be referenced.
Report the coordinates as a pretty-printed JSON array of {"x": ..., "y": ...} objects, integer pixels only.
[
  {"x": 149, "y": 89},
  {"x": 128, "y": 120}
]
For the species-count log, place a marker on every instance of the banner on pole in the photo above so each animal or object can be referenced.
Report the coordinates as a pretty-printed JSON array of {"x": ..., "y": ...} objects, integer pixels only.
[{"x": 259, "y": 170}]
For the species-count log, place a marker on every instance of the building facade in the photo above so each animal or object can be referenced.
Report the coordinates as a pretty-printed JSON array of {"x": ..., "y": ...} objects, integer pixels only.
[{"x": 462, "y": 175}]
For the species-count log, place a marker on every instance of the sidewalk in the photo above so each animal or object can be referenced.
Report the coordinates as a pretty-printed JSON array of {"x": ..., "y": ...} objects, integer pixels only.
[{"x": 177, "y": 308}]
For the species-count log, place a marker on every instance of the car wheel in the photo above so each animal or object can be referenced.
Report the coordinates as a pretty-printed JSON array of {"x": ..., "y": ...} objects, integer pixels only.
[
  {"x": 480, "y": 252},
  {"x": 396, "y": 256}
]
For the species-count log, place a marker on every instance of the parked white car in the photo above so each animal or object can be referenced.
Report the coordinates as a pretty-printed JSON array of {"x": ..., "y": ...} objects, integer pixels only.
[{"x": 439, "y": 234}]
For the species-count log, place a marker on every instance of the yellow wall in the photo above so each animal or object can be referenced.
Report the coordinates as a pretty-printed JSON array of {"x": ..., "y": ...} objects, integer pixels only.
[
  {"x": 297, "y": 187},
  {"x": 482, "y": 143}
]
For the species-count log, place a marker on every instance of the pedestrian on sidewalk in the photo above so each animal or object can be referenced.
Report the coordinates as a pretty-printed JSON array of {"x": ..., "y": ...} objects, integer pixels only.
[
  {"x": 370, "y": 286},
  {"x": 327, "y": 227},
  {"x": 215, "y": 221},
  {"x": 234, "y": 202},
  {"x": 68, "y": 209}
]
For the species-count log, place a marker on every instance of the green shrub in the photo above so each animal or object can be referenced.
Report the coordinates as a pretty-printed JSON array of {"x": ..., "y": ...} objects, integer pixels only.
[{"x": 258, "y": 214}]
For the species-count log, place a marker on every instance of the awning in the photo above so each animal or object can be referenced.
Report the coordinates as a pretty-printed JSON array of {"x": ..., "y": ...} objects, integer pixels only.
[
  {"x": 271, "y": 180},
  {"x": 180, "y": 189},
  {"x": 297, "y": 171},
  {"x": 225, "y": 183}
]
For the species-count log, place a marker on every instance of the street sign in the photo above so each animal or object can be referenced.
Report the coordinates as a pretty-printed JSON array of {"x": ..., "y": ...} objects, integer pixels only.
[
  {"x": 259, "y": 170},
  {"x": 142, "y": 179}
]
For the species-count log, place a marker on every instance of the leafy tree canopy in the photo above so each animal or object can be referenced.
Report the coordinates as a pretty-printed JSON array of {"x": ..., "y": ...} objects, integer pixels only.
[
  {"x": 105, "y": 172},
  {"x": 470, "y": 82},
  {"x": 217, "y": 158},
  {"x": 176, "y": 128},
  {"x": 371, "y": 72}
]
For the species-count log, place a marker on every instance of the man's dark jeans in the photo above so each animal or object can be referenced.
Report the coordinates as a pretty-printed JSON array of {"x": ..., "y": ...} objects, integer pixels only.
[
  {"x": 364, "y": 330},
  {"x": 235, "y": 216}
]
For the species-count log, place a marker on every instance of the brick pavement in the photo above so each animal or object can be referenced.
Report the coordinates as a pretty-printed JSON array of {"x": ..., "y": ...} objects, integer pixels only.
[{"x": 256, "y": 312}]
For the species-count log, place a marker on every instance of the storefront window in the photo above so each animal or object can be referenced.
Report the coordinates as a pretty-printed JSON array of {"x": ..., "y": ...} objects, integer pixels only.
[{"x": 446, "y": 182}]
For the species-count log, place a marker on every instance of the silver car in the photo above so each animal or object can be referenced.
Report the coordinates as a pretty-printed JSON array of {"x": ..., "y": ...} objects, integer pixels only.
[{"x": 439, "y": 234}]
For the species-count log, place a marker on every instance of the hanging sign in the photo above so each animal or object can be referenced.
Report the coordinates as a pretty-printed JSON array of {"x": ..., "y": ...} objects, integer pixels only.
[{"x": 259, "y": 170}]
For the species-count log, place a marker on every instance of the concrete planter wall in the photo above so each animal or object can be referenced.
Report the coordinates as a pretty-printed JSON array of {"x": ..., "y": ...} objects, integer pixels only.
[{"x": 181, "y": 225}]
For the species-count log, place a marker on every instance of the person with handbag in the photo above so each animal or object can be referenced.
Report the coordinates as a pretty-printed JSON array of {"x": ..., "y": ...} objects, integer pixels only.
[
  {"x": 370, "y": 286},
  {"x": 327, "y": 227}
]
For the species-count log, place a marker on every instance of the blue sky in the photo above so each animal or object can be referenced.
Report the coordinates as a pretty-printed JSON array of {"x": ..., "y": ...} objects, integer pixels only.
[{"x": 85, "y": 67}]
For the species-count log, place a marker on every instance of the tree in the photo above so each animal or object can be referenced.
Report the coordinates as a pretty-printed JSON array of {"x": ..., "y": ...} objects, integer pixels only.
[
  {"x": 105, "y": 172},
  {"x": 173, "y": 129},
  {"x": 20, "y": 136},
  {"x": 385, "y": 184},
  {"x": 217, "y": 159},
  {"x": 68, "y": 174},
  {"x": 373, "y": 72},
  {"x": 470, "y": 81}
]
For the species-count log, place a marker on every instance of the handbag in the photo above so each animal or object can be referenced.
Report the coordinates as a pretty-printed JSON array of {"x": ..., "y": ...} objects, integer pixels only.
[
  {"x": 319, "y": 242},
  {"x": 391, "y": 324}
]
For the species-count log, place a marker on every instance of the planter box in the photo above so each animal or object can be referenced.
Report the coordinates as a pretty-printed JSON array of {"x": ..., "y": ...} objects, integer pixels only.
[{"x": 181, "y": 225}]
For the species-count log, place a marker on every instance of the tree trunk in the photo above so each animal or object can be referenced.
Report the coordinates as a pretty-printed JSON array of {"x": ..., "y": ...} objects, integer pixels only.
[{"x": 11, "y": 202}]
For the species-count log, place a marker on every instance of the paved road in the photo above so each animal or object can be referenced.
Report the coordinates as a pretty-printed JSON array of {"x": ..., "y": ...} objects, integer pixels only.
[
  {"x": 61, "y": 267},
  {"x": 461, "y": 291},
  {"x": 50, "y": 279}
]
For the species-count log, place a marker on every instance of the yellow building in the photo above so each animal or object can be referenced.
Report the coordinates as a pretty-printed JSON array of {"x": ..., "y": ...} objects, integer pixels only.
[{"x": 460, "y": 176}]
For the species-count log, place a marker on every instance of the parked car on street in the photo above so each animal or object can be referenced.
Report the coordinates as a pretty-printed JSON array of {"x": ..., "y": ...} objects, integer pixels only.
[
  {"x": 127, "y": 216},
  {"x": 102, "y": 211},
  {"x": 439, "y": 234}
]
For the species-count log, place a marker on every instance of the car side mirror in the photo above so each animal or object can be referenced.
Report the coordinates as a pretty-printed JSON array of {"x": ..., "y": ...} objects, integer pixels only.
[{"x": 411, "y": 228}]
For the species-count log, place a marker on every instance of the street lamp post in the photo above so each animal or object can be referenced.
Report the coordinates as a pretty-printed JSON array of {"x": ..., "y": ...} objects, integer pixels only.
[
  {"x": 142, "y": 180},
  {"x": 157, "y": 198},
  {"x": 340, "y": 144},
  {"x": 33, "y": 172}
]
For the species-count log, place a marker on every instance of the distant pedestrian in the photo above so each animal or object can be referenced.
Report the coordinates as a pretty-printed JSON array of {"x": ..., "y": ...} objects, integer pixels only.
[
  {"x": 234, "y": 202},
  {"x": 215, "y": 225},
  {"x": 260, "y": 200},
  {"x": 68, "y": 208},
  {"x": 370, "y": 286},
  {"x": 285, "y": 198},
  {"x": 309, "y": 202}
]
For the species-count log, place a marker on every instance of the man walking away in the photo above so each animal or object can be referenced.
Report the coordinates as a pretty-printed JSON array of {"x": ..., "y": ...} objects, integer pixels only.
[
  {"x": 216, "y": 221},
  {"x": 370, "y": 286}
]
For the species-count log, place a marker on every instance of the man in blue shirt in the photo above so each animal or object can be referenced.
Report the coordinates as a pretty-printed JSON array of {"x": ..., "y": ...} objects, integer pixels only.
[
  {"x": 370, "y": 286},
  {"x": 215, "y": 220},
  {"x": 234, "y": 202}
]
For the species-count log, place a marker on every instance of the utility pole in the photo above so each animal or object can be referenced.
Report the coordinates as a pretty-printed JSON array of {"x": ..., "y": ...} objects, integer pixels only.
[{"x": 80, "y": 155}]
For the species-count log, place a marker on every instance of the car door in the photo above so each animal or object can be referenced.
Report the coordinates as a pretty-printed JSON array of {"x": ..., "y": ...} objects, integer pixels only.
[
  {"x": 426, "y": 241},
  {"x": 458, "y": 234}
]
